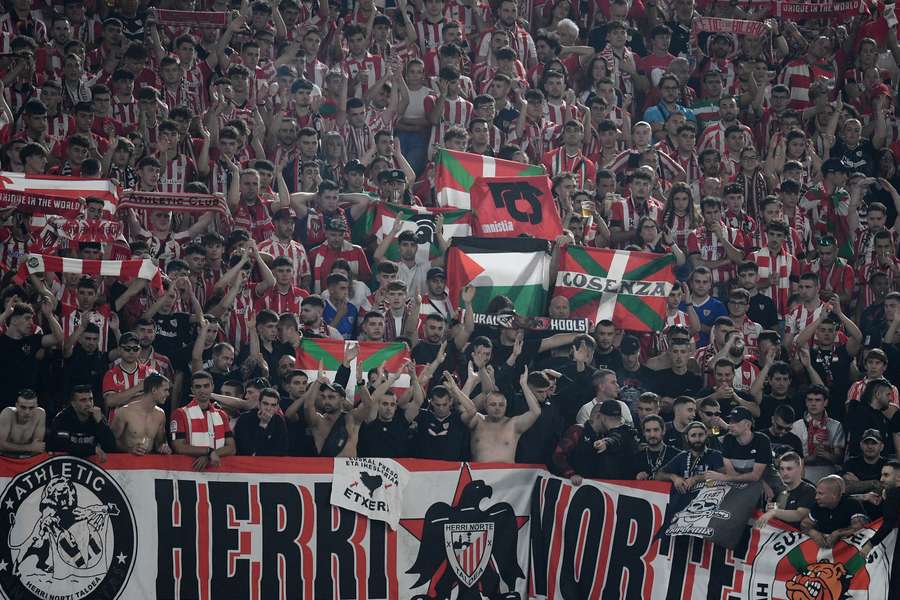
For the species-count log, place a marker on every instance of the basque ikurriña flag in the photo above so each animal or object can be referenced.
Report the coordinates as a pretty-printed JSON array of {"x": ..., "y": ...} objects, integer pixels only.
[
  {"x": 457, "y": 171},
  {"x": 371, "y": 355},
  {"x": 628, "y": 287}
]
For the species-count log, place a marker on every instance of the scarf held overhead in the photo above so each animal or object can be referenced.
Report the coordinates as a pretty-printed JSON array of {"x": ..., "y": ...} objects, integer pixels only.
[
  {"x": 123, "y": 269},
  {"x": 191, "y": 203},
  {"x": 196, "y": 18}
]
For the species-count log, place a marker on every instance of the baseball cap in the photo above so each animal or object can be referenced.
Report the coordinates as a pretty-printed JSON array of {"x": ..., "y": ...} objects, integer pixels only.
[
  {"x": 128, "y": 337},
  {"x": 435, "y": 272},
  {"x": 335, "y": 224},
  {"x": 629, "y": 345},
  {"x": 872, "y": 434},
  {"x": 834, "y": 165},
  {"x": 355, "y": 165},
  {"x": 611, "y": 408},
  {"x": 739, "y": 413},
  {"x": 393, "y": 175}
]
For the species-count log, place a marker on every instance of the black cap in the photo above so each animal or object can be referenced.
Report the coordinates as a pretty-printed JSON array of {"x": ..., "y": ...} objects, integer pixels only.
[
  {"x": 128, "y": 337},
  {"x": 629, "y": 345},
  {"x": 872, "y": 434},
  {"x": 739, "y": 413},
  {"x": 835, "y": 165},
  {"x": 611, "y": 408},
  {"x": 335, "y": 224},
  {"x": 334, "y": 387},
  {"x": 355, "y": 165},
  {"x": 284, "y": 213},
  {"x": 435, "y": 272},
  {"x": 392, "y": 175}
]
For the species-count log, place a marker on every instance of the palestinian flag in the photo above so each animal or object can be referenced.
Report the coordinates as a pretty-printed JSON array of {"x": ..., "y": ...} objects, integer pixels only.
[
  {"x": 518, "y": 268},
  {"x": 457, "y": 172},
  {"x": 457, "y": 222},
  {"x": 630, "y": 288},
  {"x": 371, "y": 355}
]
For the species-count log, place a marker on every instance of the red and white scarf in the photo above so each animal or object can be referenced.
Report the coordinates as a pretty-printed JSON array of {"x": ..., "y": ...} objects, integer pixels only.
[{"x": 122, "y": 269}]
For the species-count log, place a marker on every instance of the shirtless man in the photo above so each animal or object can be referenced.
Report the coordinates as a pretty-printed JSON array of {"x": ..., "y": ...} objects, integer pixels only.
[
  {"x": 335, "y": 430},
  {"x": 22, "y": 426},
  {"x": 495, "y": 436},
  {"x": 140, "y": 427}
]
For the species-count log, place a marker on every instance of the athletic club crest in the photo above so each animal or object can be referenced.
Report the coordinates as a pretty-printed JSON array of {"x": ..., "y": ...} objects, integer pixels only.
[
  {"x": 70, "y": 532},
  {"x": 790, "y": 566},
  {"x": 469, "y": 546}
]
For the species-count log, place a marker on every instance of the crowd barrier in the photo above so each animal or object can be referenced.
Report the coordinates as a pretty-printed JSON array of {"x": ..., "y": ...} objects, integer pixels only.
[{"x": 264, "y": 528}]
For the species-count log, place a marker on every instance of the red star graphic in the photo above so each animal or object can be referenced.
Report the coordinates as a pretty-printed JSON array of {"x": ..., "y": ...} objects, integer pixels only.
[{"x": 415, "y": 526}]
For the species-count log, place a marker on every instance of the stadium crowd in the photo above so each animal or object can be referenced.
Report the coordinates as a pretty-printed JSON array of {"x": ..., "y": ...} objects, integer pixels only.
[{"x": 765, "y": 160}]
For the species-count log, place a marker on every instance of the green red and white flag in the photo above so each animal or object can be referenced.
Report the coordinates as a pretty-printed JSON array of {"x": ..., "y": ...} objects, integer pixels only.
[
  {"x": 371, "y": 355},
  {"x": 457, "y": 171},
  {"x": 421, "y": 220},
  {"x": 518, "y": 268},
  {"x": 629, "y": 288}
]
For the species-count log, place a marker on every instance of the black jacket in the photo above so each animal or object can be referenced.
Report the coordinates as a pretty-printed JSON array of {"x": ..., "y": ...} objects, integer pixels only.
[{"x": 71, "y": 435}]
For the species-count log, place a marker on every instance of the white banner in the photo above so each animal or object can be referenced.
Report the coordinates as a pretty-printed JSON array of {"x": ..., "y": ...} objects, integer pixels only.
[
  {"x": 266, "y": 529},
  {"x": 372, "y": 487}
]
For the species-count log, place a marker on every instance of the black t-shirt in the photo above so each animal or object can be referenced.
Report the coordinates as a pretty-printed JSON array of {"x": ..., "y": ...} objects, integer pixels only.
[
  {"x": 863, "y": 158},
  {"x": 611, "y": 360},
  {"x": 834, "y": 369},
  {"x": 861, "y": 417},
  {"x": 863, "y": 470},
  {"x": 762, "y": 310},
  {"x": 770, "y": 403},
  {"x": 531, "y": 347},
  {"x": 440, "y": 439},
  {"x": 173, "y": 333},
  {"x": 725, "y": 405},
  {"x": 802, "y": 496},
  {"x": 252, "y": 440},
  {"x": 758, "y": 451},
  {"x": 828, "y": 520},
  {"x": 83, "y": 368},
  {"x": 673, "y": 437},
  {"x": 537, "y": 443},
  {"x": 18, "y": 366},
  {"x": 385, "y": 439},
  {"x": 634, "y": 383},
  {"x": 786, "y": 442},
  {"x": 668, "y": 383},
  {"x": 650, "y": 462}
]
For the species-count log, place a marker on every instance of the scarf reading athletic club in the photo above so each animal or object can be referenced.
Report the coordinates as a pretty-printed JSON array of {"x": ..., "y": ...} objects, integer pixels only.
[
  {"x": 197, "y": 18},
  {"x": 123, "y": 269},
  {"x": 180, "y": 202}
]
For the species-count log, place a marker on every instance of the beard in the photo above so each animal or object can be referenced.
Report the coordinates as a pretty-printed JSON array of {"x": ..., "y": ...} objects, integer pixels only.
[{"x": 698, "y": 446}]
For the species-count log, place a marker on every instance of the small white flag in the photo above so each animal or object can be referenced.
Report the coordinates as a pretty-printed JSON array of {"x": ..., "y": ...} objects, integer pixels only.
[{"x": 370, "y": 486}]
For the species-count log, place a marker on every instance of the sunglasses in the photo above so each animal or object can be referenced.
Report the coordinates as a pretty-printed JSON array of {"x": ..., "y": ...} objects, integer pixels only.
[
  {"x": 710, "y": 413},
  {"x": 130, "y": 348},
  {"x": 777, "y": 427}
]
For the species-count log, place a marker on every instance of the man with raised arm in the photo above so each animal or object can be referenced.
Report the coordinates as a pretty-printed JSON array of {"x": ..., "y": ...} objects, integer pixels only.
[
  {"x": 494, "y": 435},
  {"x": 335, "y": 430}
]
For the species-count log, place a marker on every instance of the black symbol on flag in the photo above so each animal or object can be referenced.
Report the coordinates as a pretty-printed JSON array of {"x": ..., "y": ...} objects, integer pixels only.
[{"x": 508, "y": 193}]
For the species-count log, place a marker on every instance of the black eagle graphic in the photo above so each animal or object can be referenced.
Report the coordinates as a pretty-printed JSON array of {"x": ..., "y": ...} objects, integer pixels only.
[{"x": 503, "y": 563}]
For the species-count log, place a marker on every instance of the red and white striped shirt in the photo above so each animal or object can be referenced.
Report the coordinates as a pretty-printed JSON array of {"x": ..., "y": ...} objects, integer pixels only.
[
  {"x": 560, "y": 161},
  {"x": 714, "y": 137},
  {"x": 798, "y": 76},
  {"x": 293, "y": 251},
  {"x": 781, "y": 275},
  {"x": 283, "y": 302},
  {"x": 838, "y": 278},
  {"x": 177, "y": 172},
  {"x": 801, "y": 317},
  {"x": 101, "y": 316},
  {"x": 118, "y": 379},
  {"x": 322, "y": 257},
  {"x": 370, "y": 68},
  {"x": 159, "y": 363},
  {"x": 626, "y": 213},
  {"x": 856, "y": 391},
  {"x": 126, "y": 112},
  {"x": 457, "y": 112},
  {"x": 428, "y": 34},
  {"x": 703, "y": 242},
  {"x": 12, "y": 251},
  {"x": 560, "y": 113},
  {"x": 750, "y": 330},
  {"x": 522, "y": 43},
  {"x": 681, "y": 229}
]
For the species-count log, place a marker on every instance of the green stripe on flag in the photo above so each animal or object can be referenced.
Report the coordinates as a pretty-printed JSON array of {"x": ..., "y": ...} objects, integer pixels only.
[
  {"x": 855, "y": 564},
  {"x": 457, "y": 170},
  {"x": 639, "y": 309},
  {"x": 582, "y": 298},
  {"x": 797, "y": 560},
  {"x": 529, "y": 300},
  {"x": 647, "y": 269},
  {"x": 586, "y": 262},
  {"x": 379, "y": 357},
  {"x": 532, "y": 171},
  {"x": 319, "y": 353}
]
